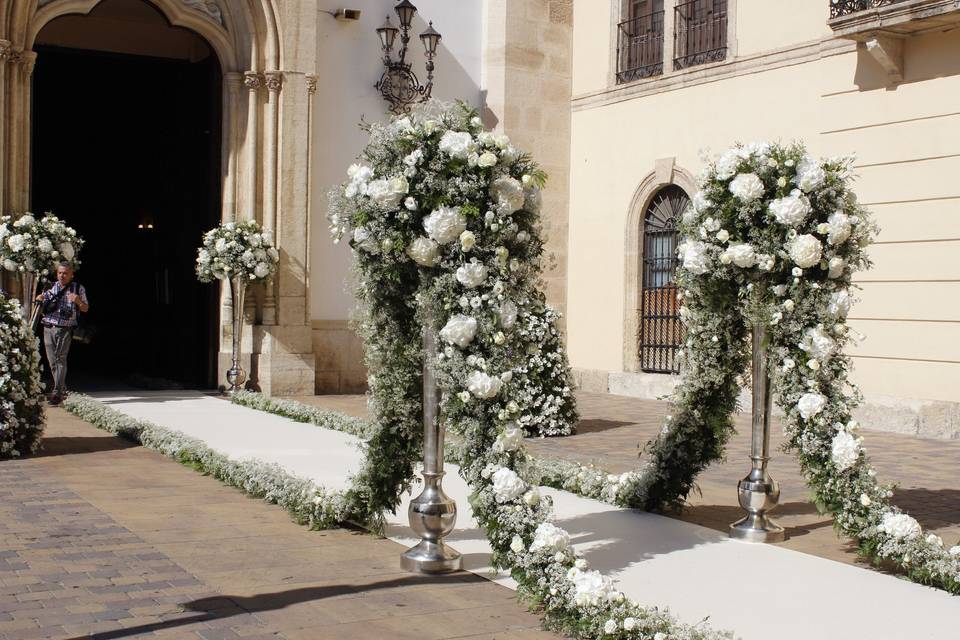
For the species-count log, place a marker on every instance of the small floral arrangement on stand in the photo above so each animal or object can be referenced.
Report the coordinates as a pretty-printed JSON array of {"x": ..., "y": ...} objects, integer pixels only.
[
  {"x": 21, "y": 412},
  {"x": 31, "y": 245},
  {"x": 237, "y": 249}
]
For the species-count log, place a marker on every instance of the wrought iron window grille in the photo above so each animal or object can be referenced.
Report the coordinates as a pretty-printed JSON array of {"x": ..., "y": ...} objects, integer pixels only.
[
  {"x": 699, "y": 33},
  {"x": 640, "y": 47},
  {"x": 846, "y": 7}
]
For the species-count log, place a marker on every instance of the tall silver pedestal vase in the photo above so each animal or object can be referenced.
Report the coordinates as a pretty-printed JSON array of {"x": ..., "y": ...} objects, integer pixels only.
[
  {"x": 758, "y": 492},
  {"x": 28, "y": 289},
  {"x": 433, "y": 513},
  {"x": 236, "y": 376}
]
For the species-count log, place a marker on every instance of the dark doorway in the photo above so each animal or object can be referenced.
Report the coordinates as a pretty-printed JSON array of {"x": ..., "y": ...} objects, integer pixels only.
[{"x": 126, "y": 149}]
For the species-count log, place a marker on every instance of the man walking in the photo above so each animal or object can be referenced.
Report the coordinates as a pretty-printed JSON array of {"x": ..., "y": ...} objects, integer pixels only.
[{"x": 61, "y": 304}]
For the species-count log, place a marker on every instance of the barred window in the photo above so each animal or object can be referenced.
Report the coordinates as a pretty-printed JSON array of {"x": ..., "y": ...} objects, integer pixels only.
[
  {"x": 661, "y": 332},
  {"x": 640, "y": 41},
  {"x": 699, "y": 32}
]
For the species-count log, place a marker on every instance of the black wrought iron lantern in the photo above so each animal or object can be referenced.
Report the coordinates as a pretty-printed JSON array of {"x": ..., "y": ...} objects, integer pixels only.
[{"x": 398, "y": 84}]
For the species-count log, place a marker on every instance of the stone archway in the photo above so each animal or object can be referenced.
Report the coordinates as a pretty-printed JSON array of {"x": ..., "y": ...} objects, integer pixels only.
[
  {"x": 267, "y": 100},
  {"x": 665, "y": 173}
]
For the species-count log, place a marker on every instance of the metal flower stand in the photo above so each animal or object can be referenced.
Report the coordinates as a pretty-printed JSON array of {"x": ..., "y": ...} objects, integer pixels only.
[
  {"x": 28, "y": 289},
  {"x": 758, "y": 492},
  {"x": 433, "y": 513},
  {"x": 236, "y": 376}
]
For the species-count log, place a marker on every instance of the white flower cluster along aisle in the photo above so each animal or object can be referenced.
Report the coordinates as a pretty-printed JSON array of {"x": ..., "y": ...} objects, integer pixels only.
[
  {"x": 443, "y": 217},
  {"x": 774, "y": 236},
  {"x": 21, "y": 411}
]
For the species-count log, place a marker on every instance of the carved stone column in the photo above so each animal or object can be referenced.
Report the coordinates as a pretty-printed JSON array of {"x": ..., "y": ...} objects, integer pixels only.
[
  {"x": 4, "y": 195},
  {"x": 232, "y": 84},
  {"x": 28, "y": 60},
  {"x": 253, "y": 81},
  {"x": 274, "y": 83}
]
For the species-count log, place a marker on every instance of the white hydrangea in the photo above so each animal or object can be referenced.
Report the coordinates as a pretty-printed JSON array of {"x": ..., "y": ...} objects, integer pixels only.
[
  {"x": 817, "y": 343},
  {"x": 459, "y": 330},
  {"x": 845, "y": 450},
  {"x": 590, "y": 588},
  {"x": 550, "y": 538},
  {"x": 508, "y": 194},
  {"x": 836, "y": 267},
  {"x": 507, "y": 485},
  {"x": 810, "y": 175},
  {"x": 810, "y": 404},
  {"x": 694, "y": 255},
  {"x": 839, "y": 227},
  {"x": 840, "y": 303},
  {"x": 457, "y": 144},
  {"x": 701, "y": 203},
  {"x": 483, "y": 386},
  {"x": 727, "y": 164},
  {"x": 262, "y": 270},
  {"x": 388, "y": 193},
  {"x": 899, "y": 526},
  {"x": 805, "y": 250},
  {"x": 487, "y": 159},
  {"x": 16, "y": 242},
  {"x": 445, "y": 224},
  {"x": 790, "y": 210},
  {"x": 45, "y": 245},
  {"x": 424, "y": 251},
  {"x": 472, "y": 274},
  {"x": 742, "y": 254},
  {"x": 746, "y": 187}
]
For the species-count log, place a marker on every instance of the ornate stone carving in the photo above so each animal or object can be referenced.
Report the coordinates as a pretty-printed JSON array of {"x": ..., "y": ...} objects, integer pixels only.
[
  {"x": 274, "y": 80},
  {"x": 208, "y": 7},
  {"x": 29, "y": 60},
  {"x": 252, "y": 80},
  {"x": 311, "y": 84},
  {"x": 4, "y": 49}
]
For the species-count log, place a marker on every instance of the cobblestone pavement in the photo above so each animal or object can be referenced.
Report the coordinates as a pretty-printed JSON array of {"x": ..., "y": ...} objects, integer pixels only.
[
  {"x": 613, "y": 429},
  {"x": 102, "y": 539}
]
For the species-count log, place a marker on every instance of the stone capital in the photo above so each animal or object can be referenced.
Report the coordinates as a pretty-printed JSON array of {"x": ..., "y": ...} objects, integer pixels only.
[
  {"x": 253, "y": 80},
  {"x": 274, "y": 81},
  {"x": 311, "y": 83},
  {"x": 29, "y": 60},
  {"x": 5, "y": 49}
]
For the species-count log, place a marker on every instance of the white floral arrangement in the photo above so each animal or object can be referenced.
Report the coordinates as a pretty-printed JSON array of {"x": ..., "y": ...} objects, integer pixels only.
[
  {"x": 21, "y": 412},
  {"x": 443, "y": 218},
  {"x": 774, "y": 236},
  {"x": 31, "y": 245},
  {"x": 237, "y": 249}
]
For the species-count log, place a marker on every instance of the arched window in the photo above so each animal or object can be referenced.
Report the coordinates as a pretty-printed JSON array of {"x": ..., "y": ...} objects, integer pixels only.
[{"x": 661, "y": 331}]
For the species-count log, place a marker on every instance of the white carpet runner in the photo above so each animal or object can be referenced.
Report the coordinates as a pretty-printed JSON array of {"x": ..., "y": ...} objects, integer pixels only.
[{"x": 758, "y": 591}]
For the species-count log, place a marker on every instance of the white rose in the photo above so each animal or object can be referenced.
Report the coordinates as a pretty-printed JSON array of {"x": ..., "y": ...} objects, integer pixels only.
[
  {"x": 508, "y": 314},
  {"x": 467, "y": 240},
  {"x": 507, "y": 486},
  {"x": 845, "y": 450},
  {"x": 471, "y": 275},
  {"x": 551, "y": 538},
  {"x": 629, "y": 624},
  {"x": 388, "y": 193},
  {"x": 742, "y": 255},
  {"x": 727, "y": 164},
  {"x": 410, "y": 203},
  {"x": 810, "y": 404},
  {"x": 457, "y": 144},
  {"x": 935, "y": 540},
  {"x": 865, "y": 500},
  {"x": 516, "y": 545},
  {"x": 16, "y": 242},
  {"x": 701, "y": 202},
  {"x": 487, "y": 159},
  {"x": 723, "y": 235},
  {"x": 805, "y": 250},
  {"x": 590, "y": 588},
  {"x": 445, "y": 224},
  {"x": 838, "y": 227},
  {"x": 840, "y": 302},
  {"x": 483, "y": 386},
  {"x": 899, "y": 526},
  {"x": 9, "y": 265},
  {"x": 694, "y": 255},
  {"x": 415, "y": 158},
  {"x": 532, "y": 498},
  {"x": 262, "y": 270},
  {"x": 790, "y": 210},
  {"x": 810, "y": 175},
  {"x": 508, "y": 194},
  {"x": 67, "y": 250},
  {"x": 509, "y": 440},
  {"x": 610, "y": 626},
  {"x": 459, "y": 330},
  {"x": 746, "y": 187},
  {"x": 836, "y": 265},
  {"x": 424, "y": 251}
]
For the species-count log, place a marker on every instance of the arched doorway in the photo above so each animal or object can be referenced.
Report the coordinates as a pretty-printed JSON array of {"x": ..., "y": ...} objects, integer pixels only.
[{"x": 126, "y": 143}]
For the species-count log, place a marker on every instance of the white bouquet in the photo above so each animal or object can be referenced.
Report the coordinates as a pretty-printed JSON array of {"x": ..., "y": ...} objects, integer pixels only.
[
  {"x": 31, "y": 245},
  {"x": 237, "y": 248}
]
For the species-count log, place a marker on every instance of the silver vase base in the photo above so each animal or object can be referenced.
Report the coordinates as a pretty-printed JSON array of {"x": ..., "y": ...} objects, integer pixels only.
[
  {"x": 757, "y": 528},
  {"x": 431, "y": 557}
]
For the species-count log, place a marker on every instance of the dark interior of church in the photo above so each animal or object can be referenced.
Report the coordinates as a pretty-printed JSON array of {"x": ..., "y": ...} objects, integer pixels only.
[{"x": 126, "y": 148}]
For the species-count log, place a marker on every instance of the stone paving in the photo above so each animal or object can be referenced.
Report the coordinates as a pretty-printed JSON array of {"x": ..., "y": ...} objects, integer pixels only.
[
  {"x": 613, "y": 430},
  {"x": 101, "y": 539}
]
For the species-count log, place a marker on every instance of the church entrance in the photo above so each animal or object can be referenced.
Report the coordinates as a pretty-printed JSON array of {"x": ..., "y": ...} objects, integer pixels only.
[{"x": 126, "y": 148}]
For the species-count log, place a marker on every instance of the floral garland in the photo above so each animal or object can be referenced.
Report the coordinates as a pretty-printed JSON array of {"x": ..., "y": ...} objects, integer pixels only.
[
  {"x": 443, "y": 220},
  {"x": 237, "y": 249},
  {"x": 21, "y": 412},
  {"x": 28, "y": 244},
  {"x": 774, "y": 236}
]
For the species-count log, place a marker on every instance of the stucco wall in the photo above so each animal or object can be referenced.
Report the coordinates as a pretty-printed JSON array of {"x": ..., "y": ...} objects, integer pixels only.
[{"x": 791, "y": 80}]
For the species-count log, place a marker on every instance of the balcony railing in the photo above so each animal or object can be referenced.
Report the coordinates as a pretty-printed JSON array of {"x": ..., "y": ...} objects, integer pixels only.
[
  {"x": 845, "y": 7},
  {"x": 640, "y": 47},
  {"x": 699, "y": 32}
]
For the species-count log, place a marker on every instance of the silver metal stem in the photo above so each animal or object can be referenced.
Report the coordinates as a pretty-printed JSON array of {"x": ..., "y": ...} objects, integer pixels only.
[
  {"x": 236, "y": 376},
  {"x": 433, "y": 514},
  {"x": 28, "y": 287},
  {"x": 758, "y": 492}
]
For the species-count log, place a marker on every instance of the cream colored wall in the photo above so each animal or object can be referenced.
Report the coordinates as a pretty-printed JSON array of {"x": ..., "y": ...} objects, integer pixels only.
[
  {"x": 907, "y": 140},
  {"x": 765, "y": 25}
]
